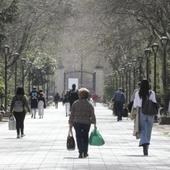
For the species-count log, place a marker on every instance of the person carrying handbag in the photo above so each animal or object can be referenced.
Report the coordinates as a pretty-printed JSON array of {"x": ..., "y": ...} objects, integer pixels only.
[
  {"x": 81, "y": 117},
  {"x": 18, "y": 105},
  {"x": 146, "y": 118}
]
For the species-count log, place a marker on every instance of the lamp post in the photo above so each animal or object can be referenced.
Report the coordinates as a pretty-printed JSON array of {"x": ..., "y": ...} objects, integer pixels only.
[
  {"x": 116, "y": 76},
  {"x": 129, "y": 78},
  {"x": 123, "y": 71},
  {"x": 140, "y": 68},
  {"x": 164, "y": 42},
  {"x": 81, "y": 72},
  {"x": 126, "y": 81},
  {"x": 16, "y": 55},
  {"x": 155, "y": 50},
  {"x": 23, "y": 61},
  {"x": 29, "y": 76},
  {"x": 6, "y": 52},
  {"x": 134, "y": 73},
  {"x": 147, "y": 55},
  {"x": 120, "y": 77}
]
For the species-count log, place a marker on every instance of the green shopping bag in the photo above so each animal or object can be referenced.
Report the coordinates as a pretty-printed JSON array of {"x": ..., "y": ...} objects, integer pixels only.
[{"x": 96, "y": 138}]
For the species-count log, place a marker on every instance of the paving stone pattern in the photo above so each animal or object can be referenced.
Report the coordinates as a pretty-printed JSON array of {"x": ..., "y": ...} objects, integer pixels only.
[{"x": 44, "y": 146}]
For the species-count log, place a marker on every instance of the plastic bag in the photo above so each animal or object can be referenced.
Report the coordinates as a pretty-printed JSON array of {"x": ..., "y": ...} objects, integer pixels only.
[
  {"x": 12, "y": 123},
  {"x": 96, "y": 138}
]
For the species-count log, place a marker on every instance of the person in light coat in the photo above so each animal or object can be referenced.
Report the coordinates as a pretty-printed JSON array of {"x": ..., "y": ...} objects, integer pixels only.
[
  {"x": 41, "y": 104},
  {"x": 145, "y": 120}
]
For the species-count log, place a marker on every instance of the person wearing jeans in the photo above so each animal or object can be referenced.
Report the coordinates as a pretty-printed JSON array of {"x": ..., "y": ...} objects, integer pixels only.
[
  {"x": 82, "y": 134},
  {"x": 145, "y": 119},
  {"x": 81, "y": 117}
]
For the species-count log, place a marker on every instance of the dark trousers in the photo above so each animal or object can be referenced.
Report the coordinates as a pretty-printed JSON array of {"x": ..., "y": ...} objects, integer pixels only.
[
  {"x": 19, "y": 116},
  {"x": 82, "y": 136},
  {"x": 118, "y": 106}
]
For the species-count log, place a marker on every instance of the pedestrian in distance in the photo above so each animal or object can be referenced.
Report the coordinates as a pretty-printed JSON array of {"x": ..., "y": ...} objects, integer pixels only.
[
  {"x": 19, "y": 107},
  {"x": 66, "y": 103},
  {"x": 41, "y": 104},
  {"x": 73, "y": 95},
  {"x": 81, "y": 118},
  {"x": 34, "y": 102},
  {"x": 145, "y": 119},
  {"x": 56, "y": 100},
  {"x": 119, "y": 100}
]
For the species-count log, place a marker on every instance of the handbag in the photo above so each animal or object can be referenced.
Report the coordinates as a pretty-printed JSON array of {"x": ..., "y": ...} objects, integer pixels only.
[
  {"x": 70, "y": 141},
  {"x": 149, "y": 107},
  {"x": 96, "y": 138},
  {"x": 12, "y": 123}
]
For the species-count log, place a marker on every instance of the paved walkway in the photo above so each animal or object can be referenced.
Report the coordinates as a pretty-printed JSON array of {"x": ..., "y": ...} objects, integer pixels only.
[{"x": 44, "y": 146}]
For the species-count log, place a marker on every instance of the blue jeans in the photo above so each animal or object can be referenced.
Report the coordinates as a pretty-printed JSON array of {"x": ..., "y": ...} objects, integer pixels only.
[
  {"x": 82, "y": 136},
  {"x": 146, "y": 124}
]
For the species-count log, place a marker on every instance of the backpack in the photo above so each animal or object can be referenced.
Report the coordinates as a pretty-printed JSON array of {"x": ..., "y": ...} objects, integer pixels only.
[
  {"x": 40, "y": 104},
  {"x": 18, "y": 105},
  {"x": 149, "y": 107}
]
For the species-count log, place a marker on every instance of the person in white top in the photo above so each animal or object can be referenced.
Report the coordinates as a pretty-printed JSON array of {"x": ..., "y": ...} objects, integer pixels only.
[{"x": 145, "y": 120}]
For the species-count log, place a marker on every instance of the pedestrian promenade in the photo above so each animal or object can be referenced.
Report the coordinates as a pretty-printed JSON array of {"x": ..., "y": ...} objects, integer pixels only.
[{"x": 44, "y": 146}]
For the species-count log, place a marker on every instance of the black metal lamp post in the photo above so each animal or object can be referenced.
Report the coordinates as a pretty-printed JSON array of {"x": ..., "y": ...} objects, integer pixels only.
[
  {"x": 120, "y": 76},
  {"x": 23, "y": 61},
  {"x": 140, "y": 68},
  {"x": 16, "y": 55},
  {"x": 126, "y": 81},
  {"x": 134, "y": 73},
  {"x": 6, "y": 53},
  {"x": 116, "y": 76},
  {"x": 164, "y": 42},
  {"x": 29, "y": 76},
  {"x": 155, "y": 50},
  {"x": 129, "y": 78},
  {"x": 147, "y": 55},
  {"x": 123, "y": 71}
]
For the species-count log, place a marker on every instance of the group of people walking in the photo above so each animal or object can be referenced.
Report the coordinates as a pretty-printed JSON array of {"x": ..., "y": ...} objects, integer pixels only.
[
  {"x": 82, "y": 113},
  {"x": 20, "y": 105}
]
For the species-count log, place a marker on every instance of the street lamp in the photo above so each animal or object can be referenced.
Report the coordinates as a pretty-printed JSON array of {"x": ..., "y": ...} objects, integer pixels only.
[
  {"x": 23, "y": 61},
  {"x": 155, "y": 47},
  {"x": 16, "y": 56},
  {"x": 6, "y": 52},
  {"x": 134, "y": 73},
  {"x": 129, "y": 78},
  {"x": 29, "y": 76},
  {"x": 164, "y": 42},
  {"x": 147, "y": 55},
  {"x": 140, "y": 68},
  {"x": 122, "y": 71}
]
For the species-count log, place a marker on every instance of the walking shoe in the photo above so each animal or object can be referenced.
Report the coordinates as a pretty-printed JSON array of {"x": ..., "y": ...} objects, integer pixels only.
[
  {"x": 86, "y": 155},
  {"x": 145, "y": 150},
  {"x": 18, "y": 136},
  {"x": 22, "y": 135},
  {"x": 81, "y": 155}
]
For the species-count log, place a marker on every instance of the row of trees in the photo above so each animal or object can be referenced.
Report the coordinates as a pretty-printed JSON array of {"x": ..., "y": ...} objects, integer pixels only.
[
  {"x": 31, "y": 29},
  {"x": 131, "y": 26}
]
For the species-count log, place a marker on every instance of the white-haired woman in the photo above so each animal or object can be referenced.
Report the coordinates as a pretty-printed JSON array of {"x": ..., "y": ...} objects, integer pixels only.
[{"x": 81, "y": 118}]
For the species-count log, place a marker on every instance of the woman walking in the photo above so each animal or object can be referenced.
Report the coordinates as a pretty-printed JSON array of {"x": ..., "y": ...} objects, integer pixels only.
[
  {"x": 18, "y": 105},
  {"x": 145, "y": 119},
  {"x": 41, "y": 104},
  {"x": 82, "y": 115}
]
